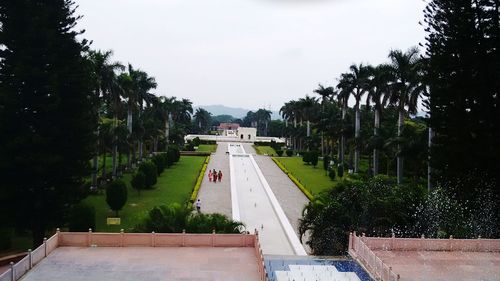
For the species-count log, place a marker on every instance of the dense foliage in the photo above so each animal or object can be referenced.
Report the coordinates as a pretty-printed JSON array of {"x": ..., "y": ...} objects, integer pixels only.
[
  {"x": 463, "y": 75},
  {"x": 81, "y": 218},
  {"x": 376, "y": 207},
  {"x": 176, "y": 218},
  {"x": 47, "y": 113}
]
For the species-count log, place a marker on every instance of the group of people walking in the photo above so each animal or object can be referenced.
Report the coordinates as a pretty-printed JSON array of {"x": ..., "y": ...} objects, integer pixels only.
[{"x": 213, "y": 176}]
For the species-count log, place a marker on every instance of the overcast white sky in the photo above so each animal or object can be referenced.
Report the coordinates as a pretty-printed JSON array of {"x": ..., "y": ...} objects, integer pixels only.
[{"x": 249, "y": 53}]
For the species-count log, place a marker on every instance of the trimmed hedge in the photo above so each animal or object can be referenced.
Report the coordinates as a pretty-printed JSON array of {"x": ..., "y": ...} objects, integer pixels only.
[{"x": 198, "y": 182}]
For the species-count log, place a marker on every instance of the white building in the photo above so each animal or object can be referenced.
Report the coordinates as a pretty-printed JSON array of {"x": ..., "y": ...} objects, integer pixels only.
[{"x": 246, "y": 134}]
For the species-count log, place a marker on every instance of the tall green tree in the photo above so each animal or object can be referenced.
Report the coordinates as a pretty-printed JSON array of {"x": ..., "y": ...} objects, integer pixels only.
[
  {"x": 355, "y": 83},
  {"x": 105, "y": 80},
  {"x": 326, "y": 94},
  {"x": 202, "y": 119},
  {"x": 406, "y": 89},
  {"x": 378, "y": 94},
  {"x": 48, "y": 115},
  {"x": 463, "y": 74}
]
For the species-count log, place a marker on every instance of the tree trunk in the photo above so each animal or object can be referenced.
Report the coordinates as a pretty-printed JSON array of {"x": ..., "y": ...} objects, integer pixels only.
[
  {"x": 429, "y": 168},
  {"x": 95, "y": 165},
  {"x": 375, "y": 150},
  {"x": 103, "y": 173},
  {"x": 400, "y": 157},
  {"x": 129, "y": 127},
  {"x": 115, "y": 147},
  {"x": 308, "y": 128},
  {"x": 322, "y": 146},
  {"x": 167, "y": 134},
  {"x": 356, "y": 137},
  {"x": 342, "y": 139}
]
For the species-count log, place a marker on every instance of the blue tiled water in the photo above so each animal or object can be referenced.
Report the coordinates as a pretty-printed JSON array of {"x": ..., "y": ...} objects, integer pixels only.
[{"x": 274, "y": 264}]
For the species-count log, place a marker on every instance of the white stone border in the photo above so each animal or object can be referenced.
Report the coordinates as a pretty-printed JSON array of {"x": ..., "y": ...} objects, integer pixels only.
[
  {"x": 285, "y": 223},
  {"x": 234, "y": 197}
]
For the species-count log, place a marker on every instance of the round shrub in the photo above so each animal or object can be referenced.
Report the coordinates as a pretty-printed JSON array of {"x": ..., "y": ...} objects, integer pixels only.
[
  {"x": 116, "y": 195},
  {"x": 314, "y": 158},
  {"x": 150, "y": 172},
  {"x": 326, "y": 162},
  {"x": 158, "y": 160},
  {"x": 332, "y": 174},
  {"x": 340, "y": 171},
  {"x": 289, "y": 152},
  {"x": 306, "y": 157},
  {"x": 279, "y": 152},
  {"x": 196, "y": 141},
  {"x": 81, "y": 217},
  {"x": 138, "y": 181}
]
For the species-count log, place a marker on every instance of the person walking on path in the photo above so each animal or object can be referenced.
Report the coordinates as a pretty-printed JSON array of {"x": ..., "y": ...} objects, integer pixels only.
[
  {"x": 209, "y": 175},
  {"x": 214, "y": 175},
  {"x": 198, "y": 205},
  {"x": 220, "y": 175}
]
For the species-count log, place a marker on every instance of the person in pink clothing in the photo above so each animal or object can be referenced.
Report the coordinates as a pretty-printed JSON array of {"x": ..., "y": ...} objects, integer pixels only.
[{"x": 210, "y": 175}]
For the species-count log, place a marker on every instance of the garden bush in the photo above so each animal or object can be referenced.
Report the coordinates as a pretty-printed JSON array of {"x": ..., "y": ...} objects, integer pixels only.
[
  {"x": 196, "y": 141},
  {"x": 289, "y": 152},
  {"x": 116, "y": 195},
  {"x": 314, "y": 158},
  {"x": 306, "y": 157},
  {"x": 150, "y": 172},
  {"x": 326, "y": 162},
  {"x": 340, "y": 171},
  {"x": 159, "y": 162},
  {"x": 175, "y": 218},
  {"x": 81, "y": 218},
  {"x": 138, "y": 181},
  {"x": 279, "y": 152},
  {"x": 332, "y": 174}
]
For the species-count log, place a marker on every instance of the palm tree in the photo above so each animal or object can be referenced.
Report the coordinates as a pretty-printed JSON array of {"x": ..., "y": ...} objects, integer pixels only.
[
  {"x": 202, "y": 119},
  {"x": 355, "y": 83},
  {"x": 105, "y": 78},
  {"x": 127, "y": 86},
  {"x": 263, "y": 117},
  {"x": 325, "y": 94},
  {"x": 143, "y": 83},
  {"x": 309, "y": 109},
  {"x": 378, "y": 94},
  {"x": 166, "y": 108},
  {"x": 406, "y": 88}
]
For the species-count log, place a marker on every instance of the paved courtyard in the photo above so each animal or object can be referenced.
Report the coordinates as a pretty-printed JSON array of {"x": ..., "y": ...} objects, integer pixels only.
[
  {"x": 443, "y": 265},
  {"x": 147, "y": 264}
]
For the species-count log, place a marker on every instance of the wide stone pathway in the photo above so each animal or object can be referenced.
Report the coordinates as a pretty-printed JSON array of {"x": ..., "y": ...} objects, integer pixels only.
[
  {"x": 291, "y": 199},
  {"x": 216, "y": 197}
]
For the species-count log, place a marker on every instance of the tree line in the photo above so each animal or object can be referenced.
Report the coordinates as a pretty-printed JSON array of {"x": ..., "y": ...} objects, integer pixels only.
[{"x": 387, "y": 90}]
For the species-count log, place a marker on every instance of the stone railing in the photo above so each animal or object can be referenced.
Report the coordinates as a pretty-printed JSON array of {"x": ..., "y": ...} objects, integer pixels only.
[
  {"x": 361, "y": 249},
  {"x": 260, "y": 259},
  {"x": 97, "y": 239}
]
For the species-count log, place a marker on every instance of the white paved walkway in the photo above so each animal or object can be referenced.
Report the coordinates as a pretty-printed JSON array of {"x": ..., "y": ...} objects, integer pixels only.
[{"x": 254, "y": 203}]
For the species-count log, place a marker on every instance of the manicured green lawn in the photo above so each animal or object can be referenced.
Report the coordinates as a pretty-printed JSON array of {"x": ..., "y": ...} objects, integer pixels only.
[
  {"x": 314, "y": 179},
  {"x": 262, "y": 150},
  {"x": 207, "y": 148},
  {"x": 174, "y": 186}
]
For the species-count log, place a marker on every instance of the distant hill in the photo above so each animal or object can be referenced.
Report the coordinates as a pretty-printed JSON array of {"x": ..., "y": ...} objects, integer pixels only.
[{"x": 233, "y": 111}]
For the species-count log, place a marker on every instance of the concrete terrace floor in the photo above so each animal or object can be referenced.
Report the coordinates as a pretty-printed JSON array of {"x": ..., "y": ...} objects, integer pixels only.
[
  {"x": 147, "y": 264},
  {"x": 443, "y": 266}
]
